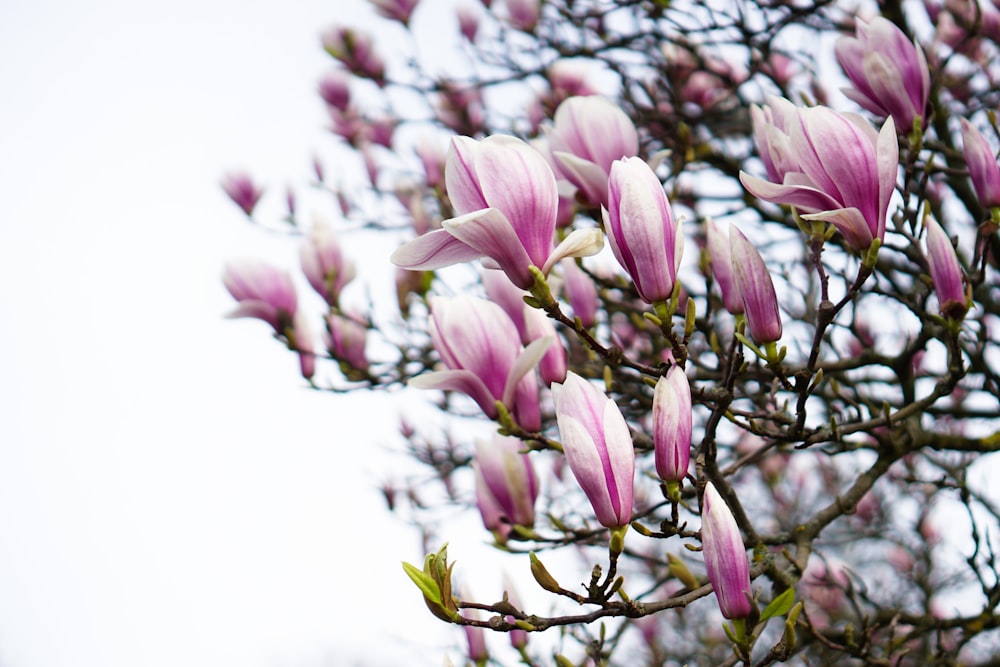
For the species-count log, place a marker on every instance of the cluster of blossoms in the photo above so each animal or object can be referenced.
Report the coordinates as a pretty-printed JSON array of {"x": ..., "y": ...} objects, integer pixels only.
[{"x": 630, "y": 375}]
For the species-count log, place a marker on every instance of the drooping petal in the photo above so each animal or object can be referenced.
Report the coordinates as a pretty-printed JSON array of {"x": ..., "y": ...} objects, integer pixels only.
[
  {"x": 433, "y": 250},
  {"x": 578, "y": 243},
  {"x": 462, "y": 381},
  {"x": 490, "y": 233}
]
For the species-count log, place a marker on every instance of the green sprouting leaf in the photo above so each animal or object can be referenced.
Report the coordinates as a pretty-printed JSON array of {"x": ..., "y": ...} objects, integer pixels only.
[
  {"x": 424, "y": 582},
  {"x": 779, "y": 606}
]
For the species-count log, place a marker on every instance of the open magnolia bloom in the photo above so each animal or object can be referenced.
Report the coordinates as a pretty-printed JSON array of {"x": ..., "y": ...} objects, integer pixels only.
[
  {"x": 889, "y": 72},
  {"x": 833, "y": 167},
  {"x": 589, "y": 133},
  {"x": 506, "y": 200},
  {"x": 481, "y": 348}
]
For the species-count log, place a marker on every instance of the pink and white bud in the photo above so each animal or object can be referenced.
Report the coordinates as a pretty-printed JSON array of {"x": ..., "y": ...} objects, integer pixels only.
[
  {"x": 262, "y": 291},
  {"x": 518, "y": 638},
  {"x": 475, "y": 638},
  {"x": 834, "y": 167},
  {"x": 267, "y": 293},
  {"x": 644, "y": 237},
  {"x": 242, "y": 190},
  {"x": 506, "y": 485},
  {"x": 588, "y": 135},
  {"x": 672, "y": 425},
  {"x": 982, "y": 162},
  {"x": 753, "y": 280},
  {"x": 598, "y": 448},
  {"x": 505, "y": 198},
  {"x": 432, "y": 156},
  {"x": 481, "y": 349},
  {"x": 720, "y": 255},
  {"x": 468, "y": 21},
  {"x": 946, "y": 273},
  {"x": 889, "y": 72},
  {"x": 356, "y": 50},
  {"x": 524, "y": 14},
  {"x": 581, "y": 292},
  {"x": 396, "y": 10},
  {"x": 324, "y": 264},
  {"x": 532, "y": 324},
  {"x": 335, "y": 89},
  {"x": 346, "y": 340},
  {"x": 725, "y": 555}
]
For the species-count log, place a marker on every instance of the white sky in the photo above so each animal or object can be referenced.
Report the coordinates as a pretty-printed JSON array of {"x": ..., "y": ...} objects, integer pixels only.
[{"x": 170, "y": 494}]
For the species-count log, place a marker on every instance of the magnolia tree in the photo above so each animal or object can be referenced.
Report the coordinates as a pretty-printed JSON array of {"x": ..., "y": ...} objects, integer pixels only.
[{"x": 708, "y": 293}]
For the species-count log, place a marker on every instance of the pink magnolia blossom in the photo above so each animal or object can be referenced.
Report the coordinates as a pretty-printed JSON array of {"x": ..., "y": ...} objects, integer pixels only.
[
  {"x": 242, "y": 190},
  {"x": 645, "y": 238},
  {"x": 532, "y": 324},
  {"x": 505, "y": 199},
  {"x": 480, "y": 347},
  {"x": 396, "y": 10},
  {"x": 946, "y": 272},
  {"x": 598, "y": 448},
  {"x": 833, "y": 167},
  {"x": 889, "y": 72},
  {"x": 720, "y": 253},
  {"x": 588, "y": 135},
  {"x": 346, "y": 339},
  {"x": 524, "y": 14},
  {"x": 356, "y": 50},
  {"x": 267, "y": 293},
  {"x": 753, "y": 280},
  {"x": 506, "y": 485},
  {"x": 672, "y": 419},
  {"x": 581, "y": 292},
  {"x": 335, "y": 89},
  {"x": 725, "y": 555},
  {"x": 468, "y": 21},
  {"x": 982, "y": 162},
  {"x": 324, "y": 264}
]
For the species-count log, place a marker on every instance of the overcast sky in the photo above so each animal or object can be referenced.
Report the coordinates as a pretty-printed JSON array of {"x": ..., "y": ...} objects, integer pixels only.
[{"x": 170, "y": 492}]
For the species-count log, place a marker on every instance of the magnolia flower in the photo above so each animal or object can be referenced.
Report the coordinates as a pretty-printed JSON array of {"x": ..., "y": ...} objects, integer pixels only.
[
  {"x": 581, "y": 292},
  {"x": 982, "y": 162},
  {"x": 506, "y": 485},
  {"x": 598, "y": 448},
  {"x": 267, "y": 293},
  {"x": 720, "y": 254},
  {"x": 524, "y": 14},
  {"x": 481, "y": 349},
  {"x": 505, "y": 198},
  {"x": 242, "y": 190},
  {"x": 946, "y": 272},
  {"x": 725, "y": 555},
  {"x": 889, "y": 72},
  {"x": 834, "y": 167},
  {"x": 396, "y": 10},
  {"x": 356, "y": 50},
  {"x": 335, "y": 89},
  {"x": 641, "y": 229},
  {"x": 753, "y": 281},
  {"x": 672, "y": 425},
  {"x": 324, "y": 264},
  {"x": 532, "y": 324},
  {"x": 588, "y": 135},
  {"x": 345, "y": 340}
]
